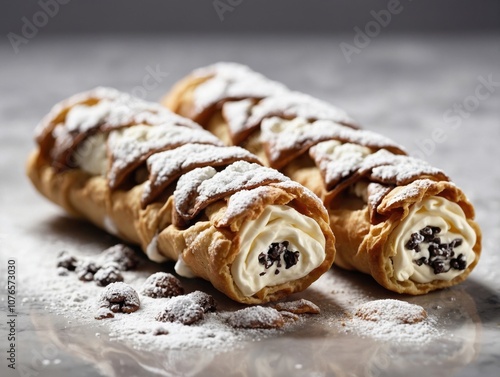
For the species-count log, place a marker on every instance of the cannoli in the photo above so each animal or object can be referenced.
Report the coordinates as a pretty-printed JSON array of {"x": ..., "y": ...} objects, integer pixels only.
[
  {"x": 394, "y": 217},
  {"x": 161, "y": 181}
]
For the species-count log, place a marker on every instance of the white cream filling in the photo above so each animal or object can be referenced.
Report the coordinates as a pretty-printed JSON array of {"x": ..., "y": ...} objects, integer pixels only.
[
  {"x": 91, "y": 155},
  {"x": 438, "y": 212},
  {"x": 182, "y": 269},
  {"x": 110, "y": 226},
  {"x": 276, "y": 224},
  {"x": 152, "y": 251}
]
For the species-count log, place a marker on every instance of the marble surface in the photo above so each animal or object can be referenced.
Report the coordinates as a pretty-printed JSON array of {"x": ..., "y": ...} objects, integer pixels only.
[{"x": 403, "y": 87}]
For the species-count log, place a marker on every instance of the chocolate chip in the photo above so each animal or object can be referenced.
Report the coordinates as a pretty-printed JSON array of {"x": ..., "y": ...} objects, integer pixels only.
[
  {"x": 420, "y": 261},
  {"x": 438, "y": 266},
  {"x": 85, "y": 270},
  {"x": 456, "y": 242},
  {"x": 67, "y": 261},
  {"x": 121, "y": 255},
  {"x": 301, "y": 306},
  {"x": 459, "y": 263},
  {"x": 289, "y": 317},
  {"x": 291, "y": 258},
  {"x": 263, "y": 259},
  {"x": 108, "y": 274},
  {"x": 160, "y": 331},
  {"x": 440, "y": 254},
  {"x": 61, "y": 271},
  {"x": 256, "y": 317},
  {"x": 414, "y": 240},
  {"x": 162, "y": 285},
  {"x": 274, "y": 253},
  {"x": 103, "y": 313},
  {"x": 119, "y": 297},
  {"x": 181, "y": 309},
  {"x": 203, "y": 299},
  {"x": 429, "y": 232}
]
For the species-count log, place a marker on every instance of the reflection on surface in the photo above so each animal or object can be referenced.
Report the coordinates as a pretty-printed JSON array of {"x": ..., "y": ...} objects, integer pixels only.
[{"x": 318, "y": 347}]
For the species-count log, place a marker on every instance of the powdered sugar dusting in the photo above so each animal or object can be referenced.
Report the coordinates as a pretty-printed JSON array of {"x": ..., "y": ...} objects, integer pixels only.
[
  {"x": 241, "y": 201},
  {"x": 389, "y": 168},
  {"x": 166, "y": 166},
  {"x": 240, "y": 175},
  {"x": 409, "y": 191},
  {"x": 298, "y": 105},
  {"x": 282, "y": 137},
  {"x": 336, "y": 160},
  {"x": 116, "y": 109},
  {"x": 131, "y": 146},
  {"x": 236, "y": 113},
  {"x": 231, "y": 81}
]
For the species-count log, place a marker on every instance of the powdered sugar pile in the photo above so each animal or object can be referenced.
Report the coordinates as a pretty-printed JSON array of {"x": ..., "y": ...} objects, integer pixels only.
[{"x": 393, "y": 320}]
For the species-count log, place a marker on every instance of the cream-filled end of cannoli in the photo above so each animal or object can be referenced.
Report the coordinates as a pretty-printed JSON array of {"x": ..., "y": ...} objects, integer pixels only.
[
  {"x": 91, "y": 156},
  {"x": 280, "y": 246},
  {"x": 434, "y": 242}
]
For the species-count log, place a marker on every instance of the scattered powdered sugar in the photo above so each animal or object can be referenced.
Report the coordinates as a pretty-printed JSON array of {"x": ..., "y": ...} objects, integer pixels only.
[
  {"x": 211, "y": 333},
  {"x": 393, "y": 320}
]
